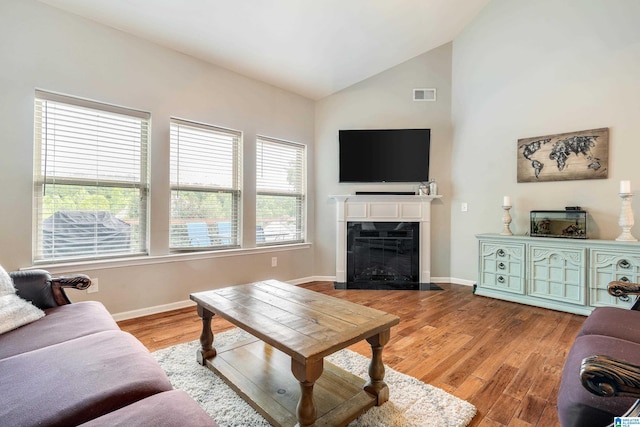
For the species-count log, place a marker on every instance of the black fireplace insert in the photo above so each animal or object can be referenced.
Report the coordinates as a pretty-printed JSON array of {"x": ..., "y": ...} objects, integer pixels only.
[{"x": 383, "y": 255}]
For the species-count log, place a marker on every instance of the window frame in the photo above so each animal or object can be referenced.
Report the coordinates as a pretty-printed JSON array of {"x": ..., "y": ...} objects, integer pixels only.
[
  {"x": 300, "y": 197},
  {"x": 234, "y": 191},
  {"x": 41, "y": 180}
]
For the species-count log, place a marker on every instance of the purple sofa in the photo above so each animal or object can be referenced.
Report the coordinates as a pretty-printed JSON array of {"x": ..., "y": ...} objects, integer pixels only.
[
  {"x": 74, "y": 366},
  {"x": 601, "y": 376}
]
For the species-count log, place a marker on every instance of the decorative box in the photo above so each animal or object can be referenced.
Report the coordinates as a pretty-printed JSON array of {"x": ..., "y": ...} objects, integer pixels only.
[{"x": 568, "y": 224}]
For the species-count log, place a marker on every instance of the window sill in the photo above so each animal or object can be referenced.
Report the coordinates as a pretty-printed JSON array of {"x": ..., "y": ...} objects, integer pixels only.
[{"x": 158, "y": 259}]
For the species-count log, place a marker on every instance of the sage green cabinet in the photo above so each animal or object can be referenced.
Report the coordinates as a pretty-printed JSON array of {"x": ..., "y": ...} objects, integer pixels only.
[{"x": 561, "y": 274}]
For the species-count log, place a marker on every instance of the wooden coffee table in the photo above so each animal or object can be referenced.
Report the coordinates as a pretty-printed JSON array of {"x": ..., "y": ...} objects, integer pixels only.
[{"x": 293, "y": 330}]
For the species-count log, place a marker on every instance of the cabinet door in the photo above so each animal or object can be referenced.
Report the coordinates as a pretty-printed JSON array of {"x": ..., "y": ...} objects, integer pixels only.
[
  {"x": 607, "y": 266},
  {"x": 557, "y": 273},
  {"x": 502, "y": 266}
]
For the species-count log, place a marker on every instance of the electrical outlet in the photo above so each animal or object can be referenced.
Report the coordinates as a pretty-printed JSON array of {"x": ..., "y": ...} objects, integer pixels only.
[
  {"x": 464, "y": 207},
  {"x": 94, "y": 286},
  {"x": 274, "y": 261}
]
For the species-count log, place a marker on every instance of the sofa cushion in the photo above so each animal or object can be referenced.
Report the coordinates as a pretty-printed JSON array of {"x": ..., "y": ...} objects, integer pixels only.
[
  {"x": 577, "y": 407},
  {"x": 168, "y": 409},
  {"x": 613, "y": 322},
  {"x": 60, "y": 324},
  {"x": 78, "y": 380}
]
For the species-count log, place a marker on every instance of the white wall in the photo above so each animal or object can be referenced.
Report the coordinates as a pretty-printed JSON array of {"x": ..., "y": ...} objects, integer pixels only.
[
  {"x": 42, "y": 47},
  {"x": 520, "y": 69},
  {"x": 386, "y": 101},
  {"x": 531, "y": 68}
]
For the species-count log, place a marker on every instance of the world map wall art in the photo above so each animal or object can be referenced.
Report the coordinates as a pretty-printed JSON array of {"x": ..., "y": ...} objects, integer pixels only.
[{"x": 564, "y": 156}]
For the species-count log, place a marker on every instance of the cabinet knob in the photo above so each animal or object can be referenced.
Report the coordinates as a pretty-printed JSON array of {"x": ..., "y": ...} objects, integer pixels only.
[
  {"x": 624, "y": 279},
  {"x": 623, "y": 263},
  {"x": 500, "y": 279},
  {"x": 501, "y": 266},
  {"x": 500, "y": 252}
]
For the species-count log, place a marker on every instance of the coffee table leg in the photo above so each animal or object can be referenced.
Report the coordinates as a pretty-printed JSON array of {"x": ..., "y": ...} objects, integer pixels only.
[
  {"x": 307, "y": 373},
  {"x": 206, "y": 349},
  {"x": 376, "y": 384}
]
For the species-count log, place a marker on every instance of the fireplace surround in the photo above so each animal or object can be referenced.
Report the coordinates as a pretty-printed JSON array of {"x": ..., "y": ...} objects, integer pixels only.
[{"x": 386, "y": 216}]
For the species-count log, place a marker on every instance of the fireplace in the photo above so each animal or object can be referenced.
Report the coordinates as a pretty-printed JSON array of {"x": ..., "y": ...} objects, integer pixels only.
[
  {"x": 385, "y": 226},
  {"x": 383, "y": 255}
]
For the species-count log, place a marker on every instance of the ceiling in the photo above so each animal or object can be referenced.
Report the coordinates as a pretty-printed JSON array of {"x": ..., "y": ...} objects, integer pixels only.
[{"x": 310, "y": 47}]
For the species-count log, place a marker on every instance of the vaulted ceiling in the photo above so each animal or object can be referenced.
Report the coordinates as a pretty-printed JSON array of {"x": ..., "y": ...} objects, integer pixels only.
[{"x": 310, "y": 47}]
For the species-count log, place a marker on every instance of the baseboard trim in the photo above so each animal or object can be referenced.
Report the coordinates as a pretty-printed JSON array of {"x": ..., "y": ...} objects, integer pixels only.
[
  {"x": 126, "y": 315},
  {"x": 302, "y": 280},
  {"x": 323, "y": 278},
  {"x": 453, "y": 280}
]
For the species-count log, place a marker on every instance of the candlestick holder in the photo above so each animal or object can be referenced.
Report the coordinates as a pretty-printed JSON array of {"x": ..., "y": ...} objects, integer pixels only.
[
  {"x": 625, "y": 221},
  {"x": 506, "y": 220}
]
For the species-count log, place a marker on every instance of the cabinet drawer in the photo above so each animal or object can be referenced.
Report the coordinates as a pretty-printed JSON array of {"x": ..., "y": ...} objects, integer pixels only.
[
  {"x": 502, "y": 267},
  {"x": 557, "y": 273},
  {"x": 607, "y": 266}
]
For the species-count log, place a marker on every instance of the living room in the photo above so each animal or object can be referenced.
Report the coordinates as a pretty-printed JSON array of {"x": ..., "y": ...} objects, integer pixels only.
[{"x": 519, "y": 69}]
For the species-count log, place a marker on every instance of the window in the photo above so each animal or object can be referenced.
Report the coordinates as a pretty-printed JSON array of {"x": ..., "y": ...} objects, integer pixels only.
[
  {"x": 90, "y": 177},
  {"x": 280, "y": 191},
  {"x": 205, "y": 186}
]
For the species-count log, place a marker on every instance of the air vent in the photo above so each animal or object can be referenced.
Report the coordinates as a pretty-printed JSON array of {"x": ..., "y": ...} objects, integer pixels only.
[{"x": 424, "y": 94}]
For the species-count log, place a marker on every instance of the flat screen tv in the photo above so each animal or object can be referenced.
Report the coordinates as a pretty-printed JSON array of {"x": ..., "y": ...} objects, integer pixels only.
[{"x": 384, "y": 155}]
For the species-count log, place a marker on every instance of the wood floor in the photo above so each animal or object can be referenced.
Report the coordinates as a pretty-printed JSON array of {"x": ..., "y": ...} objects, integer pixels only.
[{"x": 504, "y": 358}]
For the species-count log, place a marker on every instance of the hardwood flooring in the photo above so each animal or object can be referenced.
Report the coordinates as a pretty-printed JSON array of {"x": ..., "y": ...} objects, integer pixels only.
[{"x": 504, "y": 358}]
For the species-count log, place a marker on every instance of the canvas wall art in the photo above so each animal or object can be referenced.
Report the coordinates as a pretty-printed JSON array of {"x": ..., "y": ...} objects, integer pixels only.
[{"x": 564, "y": 156}]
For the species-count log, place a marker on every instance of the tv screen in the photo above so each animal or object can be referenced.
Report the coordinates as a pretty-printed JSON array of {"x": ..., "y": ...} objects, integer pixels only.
[{"x": 384, "y": 155}]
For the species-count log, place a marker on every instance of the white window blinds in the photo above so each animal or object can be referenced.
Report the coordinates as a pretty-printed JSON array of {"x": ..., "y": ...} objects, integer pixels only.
[
  {"x": 90, "y": 177},
  {"x": 280, "y": 191},
  {"x": 205, "y": 186}
]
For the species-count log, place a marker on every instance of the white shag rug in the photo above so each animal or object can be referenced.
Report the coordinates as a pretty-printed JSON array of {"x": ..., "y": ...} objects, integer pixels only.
[{"x": 412, "y": 403}]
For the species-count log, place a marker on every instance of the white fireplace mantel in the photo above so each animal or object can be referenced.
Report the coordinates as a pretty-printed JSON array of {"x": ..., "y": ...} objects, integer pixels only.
[{"x": 380, "y": 208}]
